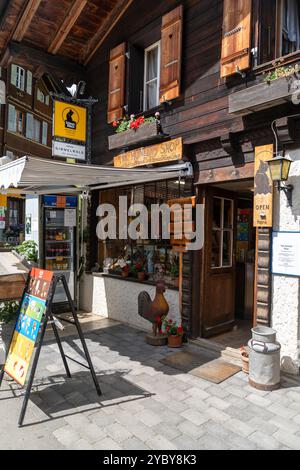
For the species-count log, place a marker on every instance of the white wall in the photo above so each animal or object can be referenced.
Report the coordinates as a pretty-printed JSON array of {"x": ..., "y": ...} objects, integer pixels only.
[
  {"x": 32, "y": 209},
  {"x": 286, "y": 290},
  {"x": 117, "y": 299}
]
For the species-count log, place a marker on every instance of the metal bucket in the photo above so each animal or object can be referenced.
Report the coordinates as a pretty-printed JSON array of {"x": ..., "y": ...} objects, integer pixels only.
[{"x": 264, "y": 359}]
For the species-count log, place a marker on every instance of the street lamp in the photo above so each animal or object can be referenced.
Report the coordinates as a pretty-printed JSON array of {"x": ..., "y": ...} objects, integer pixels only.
[{"x": 279, "y": 171}]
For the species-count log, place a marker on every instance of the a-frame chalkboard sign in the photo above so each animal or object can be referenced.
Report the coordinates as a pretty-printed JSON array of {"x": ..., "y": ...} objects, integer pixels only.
[{"x": 35, "y": 313}]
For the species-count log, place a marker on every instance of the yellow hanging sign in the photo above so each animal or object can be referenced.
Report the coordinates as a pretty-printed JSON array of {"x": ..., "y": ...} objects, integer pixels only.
[{"x": 69, "y": 121}]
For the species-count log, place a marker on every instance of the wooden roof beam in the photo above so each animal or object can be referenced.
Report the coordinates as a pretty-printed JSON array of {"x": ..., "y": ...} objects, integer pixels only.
[
  {"x": 67, "y": 25},
  {"x": 106, "y": 28},
  {"x": 25, "y": 20},
  {"x": 36, "y": 59}
]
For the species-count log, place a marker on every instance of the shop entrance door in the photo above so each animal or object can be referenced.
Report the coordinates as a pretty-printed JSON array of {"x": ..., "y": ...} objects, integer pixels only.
[{"x": 218, "y": 307}]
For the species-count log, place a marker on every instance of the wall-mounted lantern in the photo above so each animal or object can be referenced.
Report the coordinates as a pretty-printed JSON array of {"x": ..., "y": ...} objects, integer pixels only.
[{"x": 279, "y": 170}]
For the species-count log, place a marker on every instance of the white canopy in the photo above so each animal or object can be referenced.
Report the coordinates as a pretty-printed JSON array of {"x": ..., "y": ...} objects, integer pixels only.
[{"x": 40, "y": 176}]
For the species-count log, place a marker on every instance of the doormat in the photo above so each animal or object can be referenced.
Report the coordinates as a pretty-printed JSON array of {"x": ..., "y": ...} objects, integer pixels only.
[{"x": 204, "y": 365}]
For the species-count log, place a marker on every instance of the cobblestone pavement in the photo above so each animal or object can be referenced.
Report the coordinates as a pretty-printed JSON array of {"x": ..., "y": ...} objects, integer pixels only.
[{"x": 145, "y": 404}]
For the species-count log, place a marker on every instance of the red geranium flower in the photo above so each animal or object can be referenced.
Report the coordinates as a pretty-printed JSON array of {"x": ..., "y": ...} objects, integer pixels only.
[
  {"x": 180, "y": 329},
  {"x": 115, "y": 124}
]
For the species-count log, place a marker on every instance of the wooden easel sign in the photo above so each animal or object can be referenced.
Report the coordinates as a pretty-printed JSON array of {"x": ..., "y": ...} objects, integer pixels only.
[{"x": 32, "y": 310}]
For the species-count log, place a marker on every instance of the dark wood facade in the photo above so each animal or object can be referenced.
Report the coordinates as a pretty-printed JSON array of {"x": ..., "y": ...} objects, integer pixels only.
[{"x": 220, "y": 143}]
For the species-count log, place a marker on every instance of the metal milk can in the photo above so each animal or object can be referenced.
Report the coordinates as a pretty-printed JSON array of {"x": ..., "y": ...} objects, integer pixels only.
[{"x": 264, "y": 359}]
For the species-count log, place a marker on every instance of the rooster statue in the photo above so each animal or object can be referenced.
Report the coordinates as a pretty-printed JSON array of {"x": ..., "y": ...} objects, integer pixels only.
[{"x": 153, "y": 310}]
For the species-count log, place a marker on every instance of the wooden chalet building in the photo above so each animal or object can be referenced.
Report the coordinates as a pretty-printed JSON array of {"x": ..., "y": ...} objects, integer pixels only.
[{"x": 222, "y": 74}]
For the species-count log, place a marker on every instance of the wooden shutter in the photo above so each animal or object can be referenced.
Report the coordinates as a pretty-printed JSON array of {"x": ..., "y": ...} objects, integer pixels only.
[
  {"x": 13, "y": 74},
  {"x": 29, "y": 126},
  {"x": 12, "y": 118},
  {"x": 236, "y": 42},
  {"x": 45, "y": 133},
  {"x": 171, "y": 47},
  {"x": 29, "y": 82},
  {"x": 116, "y": 84}
]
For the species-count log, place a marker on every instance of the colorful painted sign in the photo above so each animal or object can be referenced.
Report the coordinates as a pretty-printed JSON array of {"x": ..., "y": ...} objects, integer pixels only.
[
  {"x": 27, "y": 327},
  {"x": 263, "y": 188}
]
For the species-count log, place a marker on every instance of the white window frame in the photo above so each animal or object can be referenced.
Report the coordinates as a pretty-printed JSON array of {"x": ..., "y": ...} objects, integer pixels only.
[
  {"x": 146, "y": 82},
  {"x": 19, "y": 79},
  {"x": 40, "y": 96}
]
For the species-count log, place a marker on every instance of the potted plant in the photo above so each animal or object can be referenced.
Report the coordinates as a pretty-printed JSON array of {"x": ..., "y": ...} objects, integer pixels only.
[
  {"x": 140, "y": 269},
  {"x": 28, "y": 251},
  {"x": 125, "y": 270},
  {"x": 8, "y": 315},
  {"x": 175, "y": 333}
]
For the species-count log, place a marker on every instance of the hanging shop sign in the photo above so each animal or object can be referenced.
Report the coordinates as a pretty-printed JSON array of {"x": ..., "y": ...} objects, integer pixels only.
[
  {"x": 27, "y": 327},
  {"x": 69, "y": 130},
  {"x": 159, "y": 153},
  {"x": 286, "y": 253},
  {"x": 67, "y": 150},
  {"x": 69, "y": 121},
  {"x": 263, "y": 188}
]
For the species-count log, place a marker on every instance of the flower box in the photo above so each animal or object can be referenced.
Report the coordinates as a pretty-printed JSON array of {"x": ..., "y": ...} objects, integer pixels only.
[
  {"x": 262, "y": 96},
  {"x": 142, "y": 134}
]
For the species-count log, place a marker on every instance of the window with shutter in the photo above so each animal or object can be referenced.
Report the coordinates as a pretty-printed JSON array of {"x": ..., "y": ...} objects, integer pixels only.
[
  {"x": 29, "y": 83},
  {"x": 12, "y": 118},
  {"x": 171, "y": 48},
  {"x": 45, "y": 133},
  {"x": 116, "y": 84},
  {"x": 236, "y": 41},
  {"x": 29, "y": 126}
]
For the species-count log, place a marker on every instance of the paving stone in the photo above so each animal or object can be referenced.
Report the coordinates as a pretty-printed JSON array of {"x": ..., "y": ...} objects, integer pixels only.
[
  {"x": 288, "y": 439},
  {"x": 185, "y": 442},
  {"x": 134, "y": 444},
  {"x": 264, "y": 441},
  {"x": 217, "y": 403},
  {"x": 149, "y": 418},
  {"x": 238, "y": 427},
  {"x": 216, "y": 415},
  {"x": 284, "y": 424},
  {"x": 194, "y": 416},
  {"x": 190, "y": 429},
  {"x": 66, "y": 435},
  {"x": 262, "y": 426},
  {"x": 107, "y": 444},
  {"x": 167, "y": 430},
  {"x": 92, "y": 433},
  {"x": 118, "y": 432},
  {"x": 281, "y": 410},
  {"x": 210, "y": 442},
  {"x": 161, "y": 443},
  {"x": 258, "y": 400}
]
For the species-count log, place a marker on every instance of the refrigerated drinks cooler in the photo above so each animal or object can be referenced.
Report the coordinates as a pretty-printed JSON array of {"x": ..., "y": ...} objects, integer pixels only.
[{"x": 60, "y": 215}]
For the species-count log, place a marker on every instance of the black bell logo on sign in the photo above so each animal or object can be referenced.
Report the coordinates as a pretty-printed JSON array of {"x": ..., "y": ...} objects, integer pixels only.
[{"x": 71, "y": 118}]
